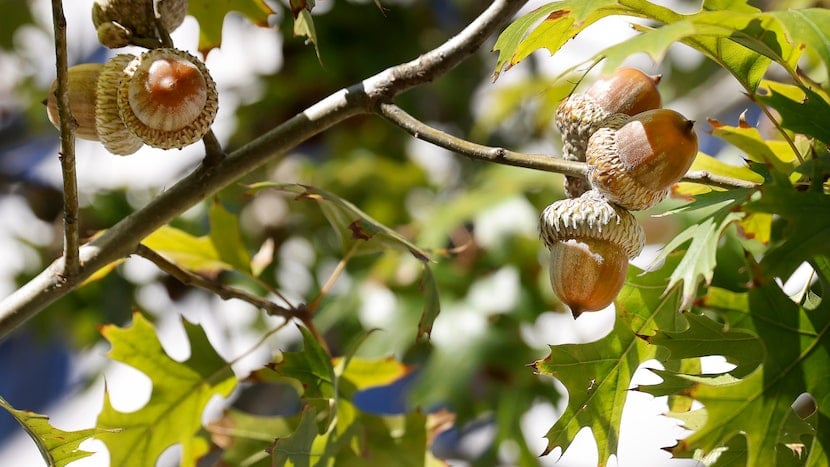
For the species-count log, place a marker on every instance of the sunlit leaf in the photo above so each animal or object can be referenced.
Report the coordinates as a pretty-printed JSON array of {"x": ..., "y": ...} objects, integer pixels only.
[
  {"x": 802, "y": 110},
  {"x": 366, "y": 373},
  {"x": 808, "y": 26},
  {"x": 304, "y": 27},
  {"x": 57, "y": 447},
  {"x": 714, "y": 166},
  {"x": 211, "y": 15},
  {"x": 186, "y": 250},
  {"x": 699, "y": 260},
  {"x": 755, "y": 147},
  {"x": 226, "y": 238},
  {"x": 549, "y": 27},
  {"x": 180, "y": 392}
]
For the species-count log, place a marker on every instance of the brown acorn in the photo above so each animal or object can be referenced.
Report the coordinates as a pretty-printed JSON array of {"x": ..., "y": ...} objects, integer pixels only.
[
  {"x": 628, "y": 91},
  {"x": 164, "y": 98},
  {"x": 590, "y": 242},
  {"x": 634, "y": 161}
]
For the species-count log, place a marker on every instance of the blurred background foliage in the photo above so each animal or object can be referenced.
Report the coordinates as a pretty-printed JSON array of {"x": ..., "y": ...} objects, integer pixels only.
[{"x": 478, "y": 219}]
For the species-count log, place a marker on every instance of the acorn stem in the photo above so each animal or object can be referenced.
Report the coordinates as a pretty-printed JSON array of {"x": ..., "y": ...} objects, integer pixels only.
[{"x": 543, "y": 162}]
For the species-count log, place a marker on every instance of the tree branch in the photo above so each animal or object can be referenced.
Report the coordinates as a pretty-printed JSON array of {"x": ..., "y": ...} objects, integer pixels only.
[
  {"x": 361, "y": 98},
  {"x": 71, "y": 237},
  {"x": 547, "y": 163}
]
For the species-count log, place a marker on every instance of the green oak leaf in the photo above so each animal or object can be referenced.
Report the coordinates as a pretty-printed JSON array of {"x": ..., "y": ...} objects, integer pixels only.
[
  {"x": 707, "y": 337},
  {"x": 808, "y": 26},
  {"x": 803, "y": 110},
  {"x": 807, "y": 229},
  {"x": 432, "y": 304},
  {"x": 297, "y": 449},
  {"x": 211, "y": 14},
  {"x": 245, "y": 437},
  {"x": 699, "y": 259},
  {"x": 796, "y": 353},
  {"x": 57, "y": 447},
  {"x": 181, "y": 390},
  {"x": 311, "y": 366}
]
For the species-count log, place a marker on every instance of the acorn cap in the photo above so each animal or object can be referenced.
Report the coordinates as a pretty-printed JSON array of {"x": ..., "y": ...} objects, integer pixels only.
[
  {"x": 111, "y": 129},
  {"x": 169, "y": 99},
  {"x": 634, "y": 164},
  {"x": 591, "y": 217},
  {"x": 123, "y": 22}
]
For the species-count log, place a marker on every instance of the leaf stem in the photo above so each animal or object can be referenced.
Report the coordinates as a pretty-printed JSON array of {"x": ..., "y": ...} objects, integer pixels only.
[{"x": 226, "y": 293}]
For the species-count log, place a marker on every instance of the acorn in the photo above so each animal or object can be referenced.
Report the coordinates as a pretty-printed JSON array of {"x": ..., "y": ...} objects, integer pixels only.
[
  {"x": 628, "y": 91},
  {"x": 82, "y": 79},
  {"x": 164, "y": 98},
  {"x": 590, "y": 242},
  {"x": 132, "y": 22},
  {"x": 634, "y": 161},
  {"x": 167, "y": 98}
]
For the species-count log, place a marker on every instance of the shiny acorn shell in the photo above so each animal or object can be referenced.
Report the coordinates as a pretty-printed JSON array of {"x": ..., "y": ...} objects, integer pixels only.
[{"x": 634, "y": 161}]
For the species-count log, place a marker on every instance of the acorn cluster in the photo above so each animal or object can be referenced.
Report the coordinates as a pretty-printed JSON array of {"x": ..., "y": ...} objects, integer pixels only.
[
  {"x": 635, "y": 151},
  {"x": 164, "y": 97}
]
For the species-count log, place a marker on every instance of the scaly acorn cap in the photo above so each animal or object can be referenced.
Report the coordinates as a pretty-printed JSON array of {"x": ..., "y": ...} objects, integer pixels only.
[
  {"x": 590, "y": 242},
  {"x": 168, "y": 98},
  {"x": 634, "y": 161},
  {"x": 111, "y": 129},
  {"x": 123, "y": 22},
  {"x": 591, "y": 216}
]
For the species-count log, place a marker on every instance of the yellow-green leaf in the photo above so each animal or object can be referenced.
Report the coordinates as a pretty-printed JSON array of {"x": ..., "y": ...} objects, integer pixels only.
[
  {"x": 57, "y": 447},
  {"x": 226, "y": 238},
  {"x": 186, "y": 250},
  {"x": 180, "y": 392},
  {"x": 211, "y": 14}
]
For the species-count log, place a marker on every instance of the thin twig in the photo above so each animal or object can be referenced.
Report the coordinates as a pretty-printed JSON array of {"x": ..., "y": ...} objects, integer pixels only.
[
  {"x": 706, "y": 178},
  {"x": 422, "y": 131},
  {"x": 71, "y": 241},
  {"x": 226, "y": 293}
]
